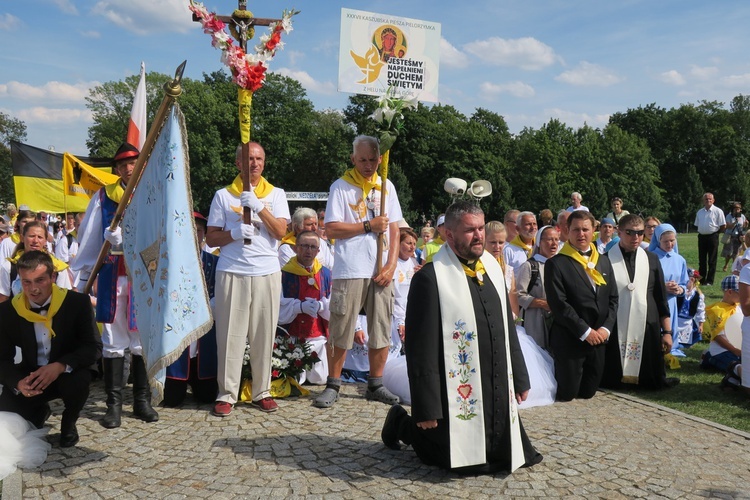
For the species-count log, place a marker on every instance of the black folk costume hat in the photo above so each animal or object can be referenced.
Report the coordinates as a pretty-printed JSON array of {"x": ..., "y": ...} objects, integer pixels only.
[{"x": 125, "y": 152}]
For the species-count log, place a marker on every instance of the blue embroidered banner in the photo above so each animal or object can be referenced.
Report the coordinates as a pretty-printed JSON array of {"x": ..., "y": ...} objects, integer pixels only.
[{"x": 162, "y": 256}]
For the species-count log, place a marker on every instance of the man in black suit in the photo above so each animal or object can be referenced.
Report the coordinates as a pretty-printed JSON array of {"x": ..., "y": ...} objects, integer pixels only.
[
  {"x": 56, "y": 333},
  {"x": 582, "y": 296},
  {"x": 478, "y": 296}
]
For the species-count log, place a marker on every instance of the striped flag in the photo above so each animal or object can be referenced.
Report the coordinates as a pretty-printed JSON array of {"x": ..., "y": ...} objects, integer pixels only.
[{"x": 137, "y": 124}]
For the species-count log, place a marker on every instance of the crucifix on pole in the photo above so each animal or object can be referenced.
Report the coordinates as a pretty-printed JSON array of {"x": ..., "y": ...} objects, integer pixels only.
[{"x": 242, "y": 27}]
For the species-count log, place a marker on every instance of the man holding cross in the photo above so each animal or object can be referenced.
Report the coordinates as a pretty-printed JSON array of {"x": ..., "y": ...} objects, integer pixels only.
[
  {"x": 248, "y": 279},
  {"x": 354, "y": 220}
]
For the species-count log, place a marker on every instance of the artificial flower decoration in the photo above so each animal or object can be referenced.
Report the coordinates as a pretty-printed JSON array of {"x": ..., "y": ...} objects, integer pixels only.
[{"x": 248, "y": 70}]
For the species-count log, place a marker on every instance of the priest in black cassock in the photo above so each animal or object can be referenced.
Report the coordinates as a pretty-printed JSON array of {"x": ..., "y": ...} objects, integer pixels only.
[
  {"x": 634, "y": 355},
  {"x": 466, "y": 369}
]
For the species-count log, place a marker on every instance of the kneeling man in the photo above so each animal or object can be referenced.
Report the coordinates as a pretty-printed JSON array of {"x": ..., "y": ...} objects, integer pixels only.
[
  {"x": 466, "y": 369},
  {"x": 55, "y": 331}
]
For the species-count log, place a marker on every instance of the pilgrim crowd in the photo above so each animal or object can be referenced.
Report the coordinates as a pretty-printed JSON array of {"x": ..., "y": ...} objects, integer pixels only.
[{"x": 465, "y": 321}]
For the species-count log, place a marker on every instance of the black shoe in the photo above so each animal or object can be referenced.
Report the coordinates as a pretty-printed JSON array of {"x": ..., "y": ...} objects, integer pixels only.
[
  {"x": 670, "y": 382},
  {"x": 113, "y": 368},
  {"x": 730, "y": 381},
  {"x": 389, "y": 434},
  {"x": 142, "y": 408},
  {"x": 69, "y": 437}
]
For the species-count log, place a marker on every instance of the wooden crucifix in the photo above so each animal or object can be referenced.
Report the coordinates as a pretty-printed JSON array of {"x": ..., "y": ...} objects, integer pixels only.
[{"x": 242, "y": 26}]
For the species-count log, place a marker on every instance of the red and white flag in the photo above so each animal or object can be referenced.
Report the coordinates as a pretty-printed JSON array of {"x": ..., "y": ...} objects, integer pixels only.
[{"x": 137, "y": 124}]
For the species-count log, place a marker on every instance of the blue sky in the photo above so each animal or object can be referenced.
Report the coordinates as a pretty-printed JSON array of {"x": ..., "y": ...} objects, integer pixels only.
[{"x": 578, "y": 61}]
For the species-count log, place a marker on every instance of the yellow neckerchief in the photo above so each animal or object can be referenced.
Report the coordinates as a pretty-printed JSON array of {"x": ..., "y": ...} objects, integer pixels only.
[
  {"x": 262, "y": 190},
  {"x": 517, "y": 241},
  {"x": 298, "y": 269},
  {"x": 21, "y": 305},
  {"x": 477, "y": 273},
  {"x": 588, "y": 264},
  {"x": 289, "y": 239},
  {"x": 114, "y": 191},
  {"x": 353, "y": 177},
  {"x": 15, "y": 238},
  {"x": 59, "y": 265},
  {"x": 716, "y": 318}
]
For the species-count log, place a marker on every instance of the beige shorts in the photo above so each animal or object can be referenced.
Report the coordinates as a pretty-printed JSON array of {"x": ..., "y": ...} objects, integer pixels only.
[{"x": 348, "y": 297}]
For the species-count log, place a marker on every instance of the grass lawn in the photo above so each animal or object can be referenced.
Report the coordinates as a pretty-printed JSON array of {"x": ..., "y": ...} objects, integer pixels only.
[{"x": 699, "y": 393}]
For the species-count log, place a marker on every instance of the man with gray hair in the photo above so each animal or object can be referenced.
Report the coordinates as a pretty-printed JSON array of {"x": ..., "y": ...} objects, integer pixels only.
[
  {"x": 562, "y": 226},
  {"x": 304, "y": 219},
  {"x": 520, "y": 248},
  {"x": 575, "y": 200},
  {"x": 354, "y": 220}
]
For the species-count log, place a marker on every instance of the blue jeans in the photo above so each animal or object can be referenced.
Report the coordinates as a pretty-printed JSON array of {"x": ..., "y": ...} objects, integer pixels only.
[{"x": 721, "y": 361}]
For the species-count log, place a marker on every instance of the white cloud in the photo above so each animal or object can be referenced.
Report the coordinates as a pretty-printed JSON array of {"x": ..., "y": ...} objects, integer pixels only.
[
  {"x": 308, "y": 82},
  {"x": 705, "y": 72},
  {"x": 450, "y": 56},
  {"x": 50, "y": 91},
  {"x": 588, "y": 74},
  {"x": 577, "y": 120},
  {"x": 66, "y": 6},
  {"x": 295, "y": 56},
  {"x": 53, "y": 116},
  {"x": 736, "y": 81},
  {"x": 147, "y": 16},
  {"x": 91, "y": 34},
  {"x": 525, "y": 53},
  {"x": 672, "y": 77},
  {"x": 517, "y": 89},
  {"x": 9, "y": 22}
]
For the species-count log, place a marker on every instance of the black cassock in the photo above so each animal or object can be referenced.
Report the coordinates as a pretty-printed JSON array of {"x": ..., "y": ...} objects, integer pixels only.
[
  {"x": 426, "y": 367},
  {"x": 652, "y": 373}
]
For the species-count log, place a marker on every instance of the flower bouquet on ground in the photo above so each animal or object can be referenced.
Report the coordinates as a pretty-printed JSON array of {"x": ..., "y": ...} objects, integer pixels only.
[{"x": 291, "y": 356}]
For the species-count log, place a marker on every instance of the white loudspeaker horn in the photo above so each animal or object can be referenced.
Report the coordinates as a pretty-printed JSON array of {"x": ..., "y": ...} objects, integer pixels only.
[
  {"x": 480, "y": 189},
  {"x": 455, "y": 186}
]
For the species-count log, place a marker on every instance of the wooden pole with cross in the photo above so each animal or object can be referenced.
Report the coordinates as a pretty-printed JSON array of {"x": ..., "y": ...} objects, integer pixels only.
[{"x": 242, "y": 27}]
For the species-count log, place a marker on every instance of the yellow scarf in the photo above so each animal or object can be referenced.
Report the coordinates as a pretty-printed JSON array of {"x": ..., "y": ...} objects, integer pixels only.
[
  {"x": 262, "y": 190},
  {"x": 716, "y": 318},
  {"x": 477, "y": 273},
  {"x": 21, "y": 305},
  {"x": 517, "y": 241},
  {"x": 114, "y": 191},
  {"x": 289, "y": 239},
  {"x": 353, "y": 177},
  {"x": 15, "y": 238},
  {"x": 298, "y": 269},
  {"x": 588, "y": 264},
  {"x": 59, "y": 265}
]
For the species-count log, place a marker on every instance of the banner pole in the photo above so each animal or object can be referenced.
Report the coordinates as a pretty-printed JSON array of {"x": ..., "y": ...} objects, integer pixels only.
[{"x": 172, "y": 91}]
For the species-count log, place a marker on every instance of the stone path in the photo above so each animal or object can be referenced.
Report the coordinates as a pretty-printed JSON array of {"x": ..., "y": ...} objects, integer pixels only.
[{"x": 609, "y": 447}]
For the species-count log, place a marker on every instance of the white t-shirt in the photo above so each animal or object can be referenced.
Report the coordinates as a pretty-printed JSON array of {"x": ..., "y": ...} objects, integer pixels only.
[
  {"x": 261, "y": 257},
  {"x": 514, "y": 256},
  {"x": 401, "y": 283},
  {"x": 574, "y": 209},
  {"x": 355, "y": 256},
  {"x": 6, "y": 248}
]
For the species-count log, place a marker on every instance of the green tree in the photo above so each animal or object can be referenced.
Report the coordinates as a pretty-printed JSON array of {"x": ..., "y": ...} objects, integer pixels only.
[{"x": 11, "y": 129}]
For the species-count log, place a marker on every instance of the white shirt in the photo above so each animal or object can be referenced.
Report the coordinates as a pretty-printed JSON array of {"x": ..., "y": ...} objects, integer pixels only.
[
  {"x": 6, "y": 248},
  {"x": 401, "y": 283},
  {"x": 43, "y": 339},
  {"x": 64, "y": 280},
  {"x": 709, "y": 221},
  {"x": 514, "y": 256},
  {"x": 573, "y": 209},
  {"x": 261, "y": 257},
  {"x": 356, "y": 256}
]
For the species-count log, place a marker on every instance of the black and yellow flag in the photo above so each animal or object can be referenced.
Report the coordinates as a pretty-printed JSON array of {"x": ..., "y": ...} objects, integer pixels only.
[{"x": 55, "y": 182}]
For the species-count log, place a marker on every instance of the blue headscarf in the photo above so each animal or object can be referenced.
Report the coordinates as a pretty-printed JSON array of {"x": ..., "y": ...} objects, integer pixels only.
[{"x": 653, "y": 245}]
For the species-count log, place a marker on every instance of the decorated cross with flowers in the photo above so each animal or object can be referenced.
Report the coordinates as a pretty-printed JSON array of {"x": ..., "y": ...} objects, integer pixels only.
[{"x": 248, "y": 69}]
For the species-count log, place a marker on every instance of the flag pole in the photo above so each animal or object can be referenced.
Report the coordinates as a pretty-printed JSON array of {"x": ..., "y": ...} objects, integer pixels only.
[{"x": 172, "y": 91}]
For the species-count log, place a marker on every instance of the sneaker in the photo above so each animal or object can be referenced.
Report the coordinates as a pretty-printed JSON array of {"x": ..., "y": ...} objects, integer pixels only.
[
  {"x": 267, "y": 405},
  {"x": 222, "y": 409}
]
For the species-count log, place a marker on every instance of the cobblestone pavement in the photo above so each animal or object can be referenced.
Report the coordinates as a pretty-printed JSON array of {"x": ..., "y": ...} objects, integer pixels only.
[{"x": 608, "y": 447}]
